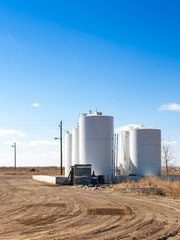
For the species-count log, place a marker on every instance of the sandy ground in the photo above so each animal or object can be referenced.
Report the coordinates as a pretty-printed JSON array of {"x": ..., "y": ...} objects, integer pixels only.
[{"x": 35, "y": 210}]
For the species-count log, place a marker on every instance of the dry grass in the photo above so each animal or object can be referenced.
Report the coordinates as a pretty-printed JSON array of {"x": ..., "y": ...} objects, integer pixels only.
[
  {"x": 158, "y": 186},
  {"x": 173, "y": 170}
]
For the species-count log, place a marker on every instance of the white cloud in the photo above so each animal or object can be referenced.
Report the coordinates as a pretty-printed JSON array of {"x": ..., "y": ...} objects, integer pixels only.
[
  {"x": 11, "y": 133},
  {"x": 48, "y": 158},
  {"x": 10, "y": 37},
  {"x": 170, "y": 107},
  {"x": 169, "y": 142},
  {"x": 6, "y": 38},
  {"x": 35, "y": 105},
  {"x": 127, "y": 127},
  {"x": 38, "y": 143},
  {"x": 35, "y": 143},
  {"x": 11, "y": 142}
]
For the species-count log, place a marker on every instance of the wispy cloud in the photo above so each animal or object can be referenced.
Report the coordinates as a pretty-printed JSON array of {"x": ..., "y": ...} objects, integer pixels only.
[
  {"x": 10, "y": 37},
  {"x": 127, "y": 127},
  {"x": 35, "y": 105},
  {"x": 47, "y": 158},
  {"x": 6, "y": 38},
  {"x": 11, "y": 133},
  {"x": 35, "y": 143},
  {"x": 38, "y": 143},
  {"x": 11, "y": 142},
  {"x": 169, "y": 142},
  {"x": 170, "y": 107}
]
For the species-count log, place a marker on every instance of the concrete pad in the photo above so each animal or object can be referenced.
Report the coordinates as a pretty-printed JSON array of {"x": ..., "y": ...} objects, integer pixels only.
[{"x": 50, "y": 179}]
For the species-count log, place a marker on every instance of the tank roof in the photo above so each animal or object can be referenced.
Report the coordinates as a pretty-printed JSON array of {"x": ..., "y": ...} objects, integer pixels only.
[
  {"x": 95, "y": 114},
  {"x": 98, "y": 116},
  {"x": 142, "y": 128}
]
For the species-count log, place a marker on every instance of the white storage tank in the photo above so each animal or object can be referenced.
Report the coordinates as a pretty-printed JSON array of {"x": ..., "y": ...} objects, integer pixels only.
[
  {"x": 145, "y": 151},
  {"x": 96, "y": 143},
  {"x": 125, "y": 163},
  {"x": 68, "y": 152},
  {"x": 75, "y": 146}
]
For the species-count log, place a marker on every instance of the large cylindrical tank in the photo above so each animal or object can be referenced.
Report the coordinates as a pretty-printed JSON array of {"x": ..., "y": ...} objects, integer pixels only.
[
  {"x": 75, "y": 146},
  {"x": 145, "y": 151},
  {"x": 68, "y": 152},
  {"x": 96, "y": 143},
  {"x": 125, "y": 164}
]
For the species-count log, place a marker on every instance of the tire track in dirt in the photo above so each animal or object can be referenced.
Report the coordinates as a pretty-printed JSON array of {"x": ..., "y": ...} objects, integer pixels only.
[{"x": 34, "y": 210}]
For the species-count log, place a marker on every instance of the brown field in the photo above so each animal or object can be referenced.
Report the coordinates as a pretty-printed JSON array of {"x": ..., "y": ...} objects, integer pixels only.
[
  {"x": 26, "y": 171},
  {"x": 36, "y": 210},
  {"x": 56, "y": 171},
  {"x": 172, "y": 170}
]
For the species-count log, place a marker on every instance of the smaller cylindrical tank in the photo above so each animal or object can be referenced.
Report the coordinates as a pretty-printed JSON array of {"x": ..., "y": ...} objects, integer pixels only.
[
  {"x": 125, "y": 163},
  {"x": 75, "y": 146},
  {"x": 68, "y": 152},
  {"x": 145, "y": 151}
]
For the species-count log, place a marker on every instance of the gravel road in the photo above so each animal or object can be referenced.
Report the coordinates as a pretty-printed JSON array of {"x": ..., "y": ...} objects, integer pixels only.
[{"x": 34, "y": 210}]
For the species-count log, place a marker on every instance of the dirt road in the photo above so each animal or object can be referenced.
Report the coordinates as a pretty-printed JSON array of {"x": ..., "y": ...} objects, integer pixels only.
[{"x": 36, "y": 210}]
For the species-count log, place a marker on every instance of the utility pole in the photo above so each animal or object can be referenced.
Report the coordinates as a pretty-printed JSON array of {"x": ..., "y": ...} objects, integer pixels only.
[
  {"x": 14, "y": 146},
  {"x": 60, "y": 138},
  {"x": 61, "y": 144}
]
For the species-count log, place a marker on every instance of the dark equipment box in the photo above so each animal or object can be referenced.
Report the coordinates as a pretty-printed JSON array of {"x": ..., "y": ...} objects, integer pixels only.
[{"x": 82, "y": 174}]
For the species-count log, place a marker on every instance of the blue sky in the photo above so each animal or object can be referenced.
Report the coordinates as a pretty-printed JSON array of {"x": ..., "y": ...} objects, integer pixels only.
[{"x": 122, "y": 57}]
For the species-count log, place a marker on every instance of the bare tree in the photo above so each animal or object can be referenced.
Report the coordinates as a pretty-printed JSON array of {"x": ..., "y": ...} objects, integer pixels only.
[{"x": 167, "y": 155}]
